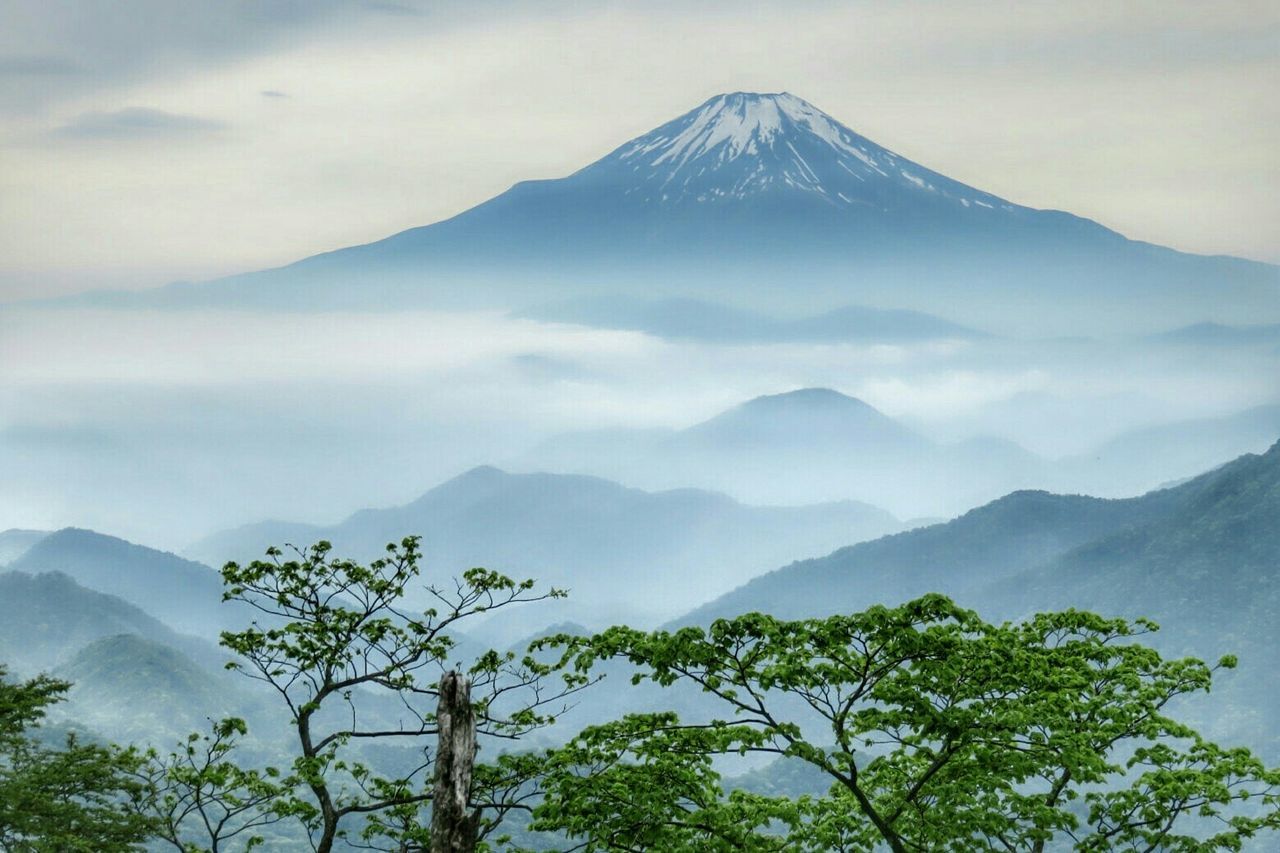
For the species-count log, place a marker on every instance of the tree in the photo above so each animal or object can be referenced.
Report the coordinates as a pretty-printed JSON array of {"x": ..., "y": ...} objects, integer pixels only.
[
  {"x": 935, "y": 730},
  {"x": 453, "y": 829},
  {"x": 80, "y": 797},
  {"x": 354, "y": 667},
  {"x": 198, "y": 791}
]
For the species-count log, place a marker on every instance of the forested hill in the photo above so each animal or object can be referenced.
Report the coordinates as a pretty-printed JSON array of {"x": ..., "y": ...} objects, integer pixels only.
[
  {"x": 45, "y": 619},
  {"x": 185, "y": 595},
  {"x": 1202, "y": 559},
  {"x": 1217, "y": 551},
  {"x": 1005, "y": 537},
  {"x": 1208, "y": 573}
]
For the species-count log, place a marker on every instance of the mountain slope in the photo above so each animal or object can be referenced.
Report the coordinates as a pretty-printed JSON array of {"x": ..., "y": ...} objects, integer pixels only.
[
  {"x": 1202, "y": 559},
  {"x": 747, "y": 192},
  {"x": 185, "y": 595},
  {"x": 1208, "y": 572},
  {"x": 136, "y": 689},
  {"x": 1025, "y": 545},
  {"x": 45, "y": 619},
  {"x": 651, "y": 552},
  {"x": 16, "y": 542},
  {"x": 1210, "y": 561},
  {"x": 998, "y": 540}
]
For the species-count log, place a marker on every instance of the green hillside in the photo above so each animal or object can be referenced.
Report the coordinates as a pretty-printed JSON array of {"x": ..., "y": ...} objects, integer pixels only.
[
  {"x": 134, "y": 689},
  {"x": 1208, "y": 572},
  {"x": 994, "y": 541},
  {"x": 185, "y": 595},
  {"x": 46, "y": 619}
]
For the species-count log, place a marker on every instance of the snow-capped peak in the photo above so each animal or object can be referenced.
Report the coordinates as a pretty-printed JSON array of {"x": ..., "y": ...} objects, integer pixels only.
[
  {"x": 740, "y": 122},
  {"x": 741, "y": 144}
]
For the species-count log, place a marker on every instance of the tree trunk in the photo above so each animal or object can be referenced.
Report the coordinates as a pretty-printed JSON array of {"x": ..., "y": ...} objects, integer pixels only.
[{"x": 453, "y": 827}]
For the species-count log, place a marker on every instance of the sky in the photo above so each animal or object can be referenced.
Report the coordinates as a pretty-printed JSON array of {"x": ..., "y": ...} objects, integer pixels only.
[
  {"x": 150, "y": 141},
  {"x": 147, "y": 141}
]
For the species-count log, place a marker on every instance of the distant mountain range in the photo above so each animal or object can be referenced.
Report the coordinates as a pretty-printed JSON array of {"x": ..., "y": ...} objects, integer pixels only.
[
  {"x": 812, "y": 443},
  {"x": 760, "y": 201},
  {"x": 960, "y": 557},
  {"x": 819, "y": 443},
  {"x": 1218, "y": 334},
  {"x": 1147, "y": 457},
  {"x": 185, "y": 595},
  {"x": 1025, "y": 531},
  {"x": 1201, "y": 558},
  {"x": 621, "y": 551},
  {"x": 45, "y": 619},
  {"x": 15, "y": 542},
  {"x": 708, "y": 322}
]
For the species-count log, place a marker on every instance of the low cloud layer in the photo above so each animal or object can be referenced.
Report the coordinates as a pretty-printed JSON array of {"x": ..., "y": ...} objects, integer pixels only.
[
  {"x": 163, "y": 426},
  {"x": 37, "y": 66},
  {"x": 133, "y": 123}
]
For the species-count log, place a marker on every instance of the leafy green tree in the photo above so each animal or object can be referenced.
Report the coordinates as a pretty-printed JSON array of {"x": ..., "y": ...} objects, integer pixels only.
[
  {"x": 79, "y": 797},
  {"x": 353, "y": 666},
  {"x": 936, "y": 730},
  {"x": 204, "y": 801}
]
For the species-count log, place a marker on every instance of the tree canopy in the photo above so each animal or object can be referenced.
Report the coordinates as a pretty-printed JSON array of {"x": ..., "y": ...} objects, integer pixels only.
[
  {"x": 352, "y": 664},
  {"x": 930, "y": 728},
  {"x": 73, "y": 796},
  {"x": 935, "y": 729}
]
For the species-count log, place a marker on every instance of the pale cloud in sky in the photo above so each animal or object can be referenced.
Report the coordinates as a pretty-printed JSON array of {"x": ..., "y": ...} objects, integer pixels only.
[{"x": 1157, "y": 119}]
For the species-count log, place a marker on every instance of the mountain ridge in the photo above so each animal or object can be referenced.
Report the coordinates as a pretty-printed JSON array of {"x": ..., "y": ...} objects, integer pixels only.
[
  {"x": 183, "y": 594},
  {"x": 607, "y": 543},
  {"x": 802, "y": 445},
  {"x": 683, "y": 319},
  {"x": 46, "y": 618}
]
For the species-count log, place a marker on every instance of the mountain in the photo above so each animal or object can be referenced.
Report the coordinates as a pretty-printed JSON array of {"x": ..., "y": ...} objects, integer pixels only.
[
  {"x": 708, "y": 322},
  {"x": 998, "y": 540},
  {"x": 1208, "y": 572},
  {"x": 46, "y": 618},
  {"x": 185, "y": 595},
  {"x": 1212, "y": 560},
  {"x": 16, "y": 542},
  {"x": 1220, "y": 335},
  {"x": 1031, "y": 530},
  {"x": 1201, "y": 558},
  {"x": 806, "y": 417},
  {"x": 761, "y": 200},
  {"x": 1145, "y": 458},
  {"x": 807, "y": 444},
  {"x": 136, "y": 689},
  {"x": 641, "y": 553}
]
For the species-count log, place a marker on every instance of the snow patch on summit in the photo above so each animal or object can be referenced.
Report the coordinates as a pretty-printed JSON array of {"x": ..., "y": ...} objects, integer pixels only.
[{"x": 743, "y": 144}]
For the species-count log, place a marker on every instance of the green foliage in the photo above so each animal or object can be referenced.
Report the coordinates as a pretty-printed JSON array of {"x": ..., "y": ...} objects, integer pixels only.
[
  {"x": 198, "y": 791},
  {"x": 946, "y": 733},
  {"x": 353, "y": 665},
  {"x": 82, "y": 797}
]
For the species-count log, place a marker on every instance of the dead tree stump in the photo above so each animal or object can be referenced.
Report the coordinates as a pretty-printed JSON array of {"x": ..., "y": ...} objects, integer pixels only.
[{"x": 453, "y": 826}]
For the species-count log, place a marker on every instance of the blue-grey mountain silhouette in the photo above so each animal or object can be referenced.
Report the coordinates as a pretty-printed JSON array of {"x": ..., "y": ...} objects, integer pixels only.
[{"x": 757, "y": 200}]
